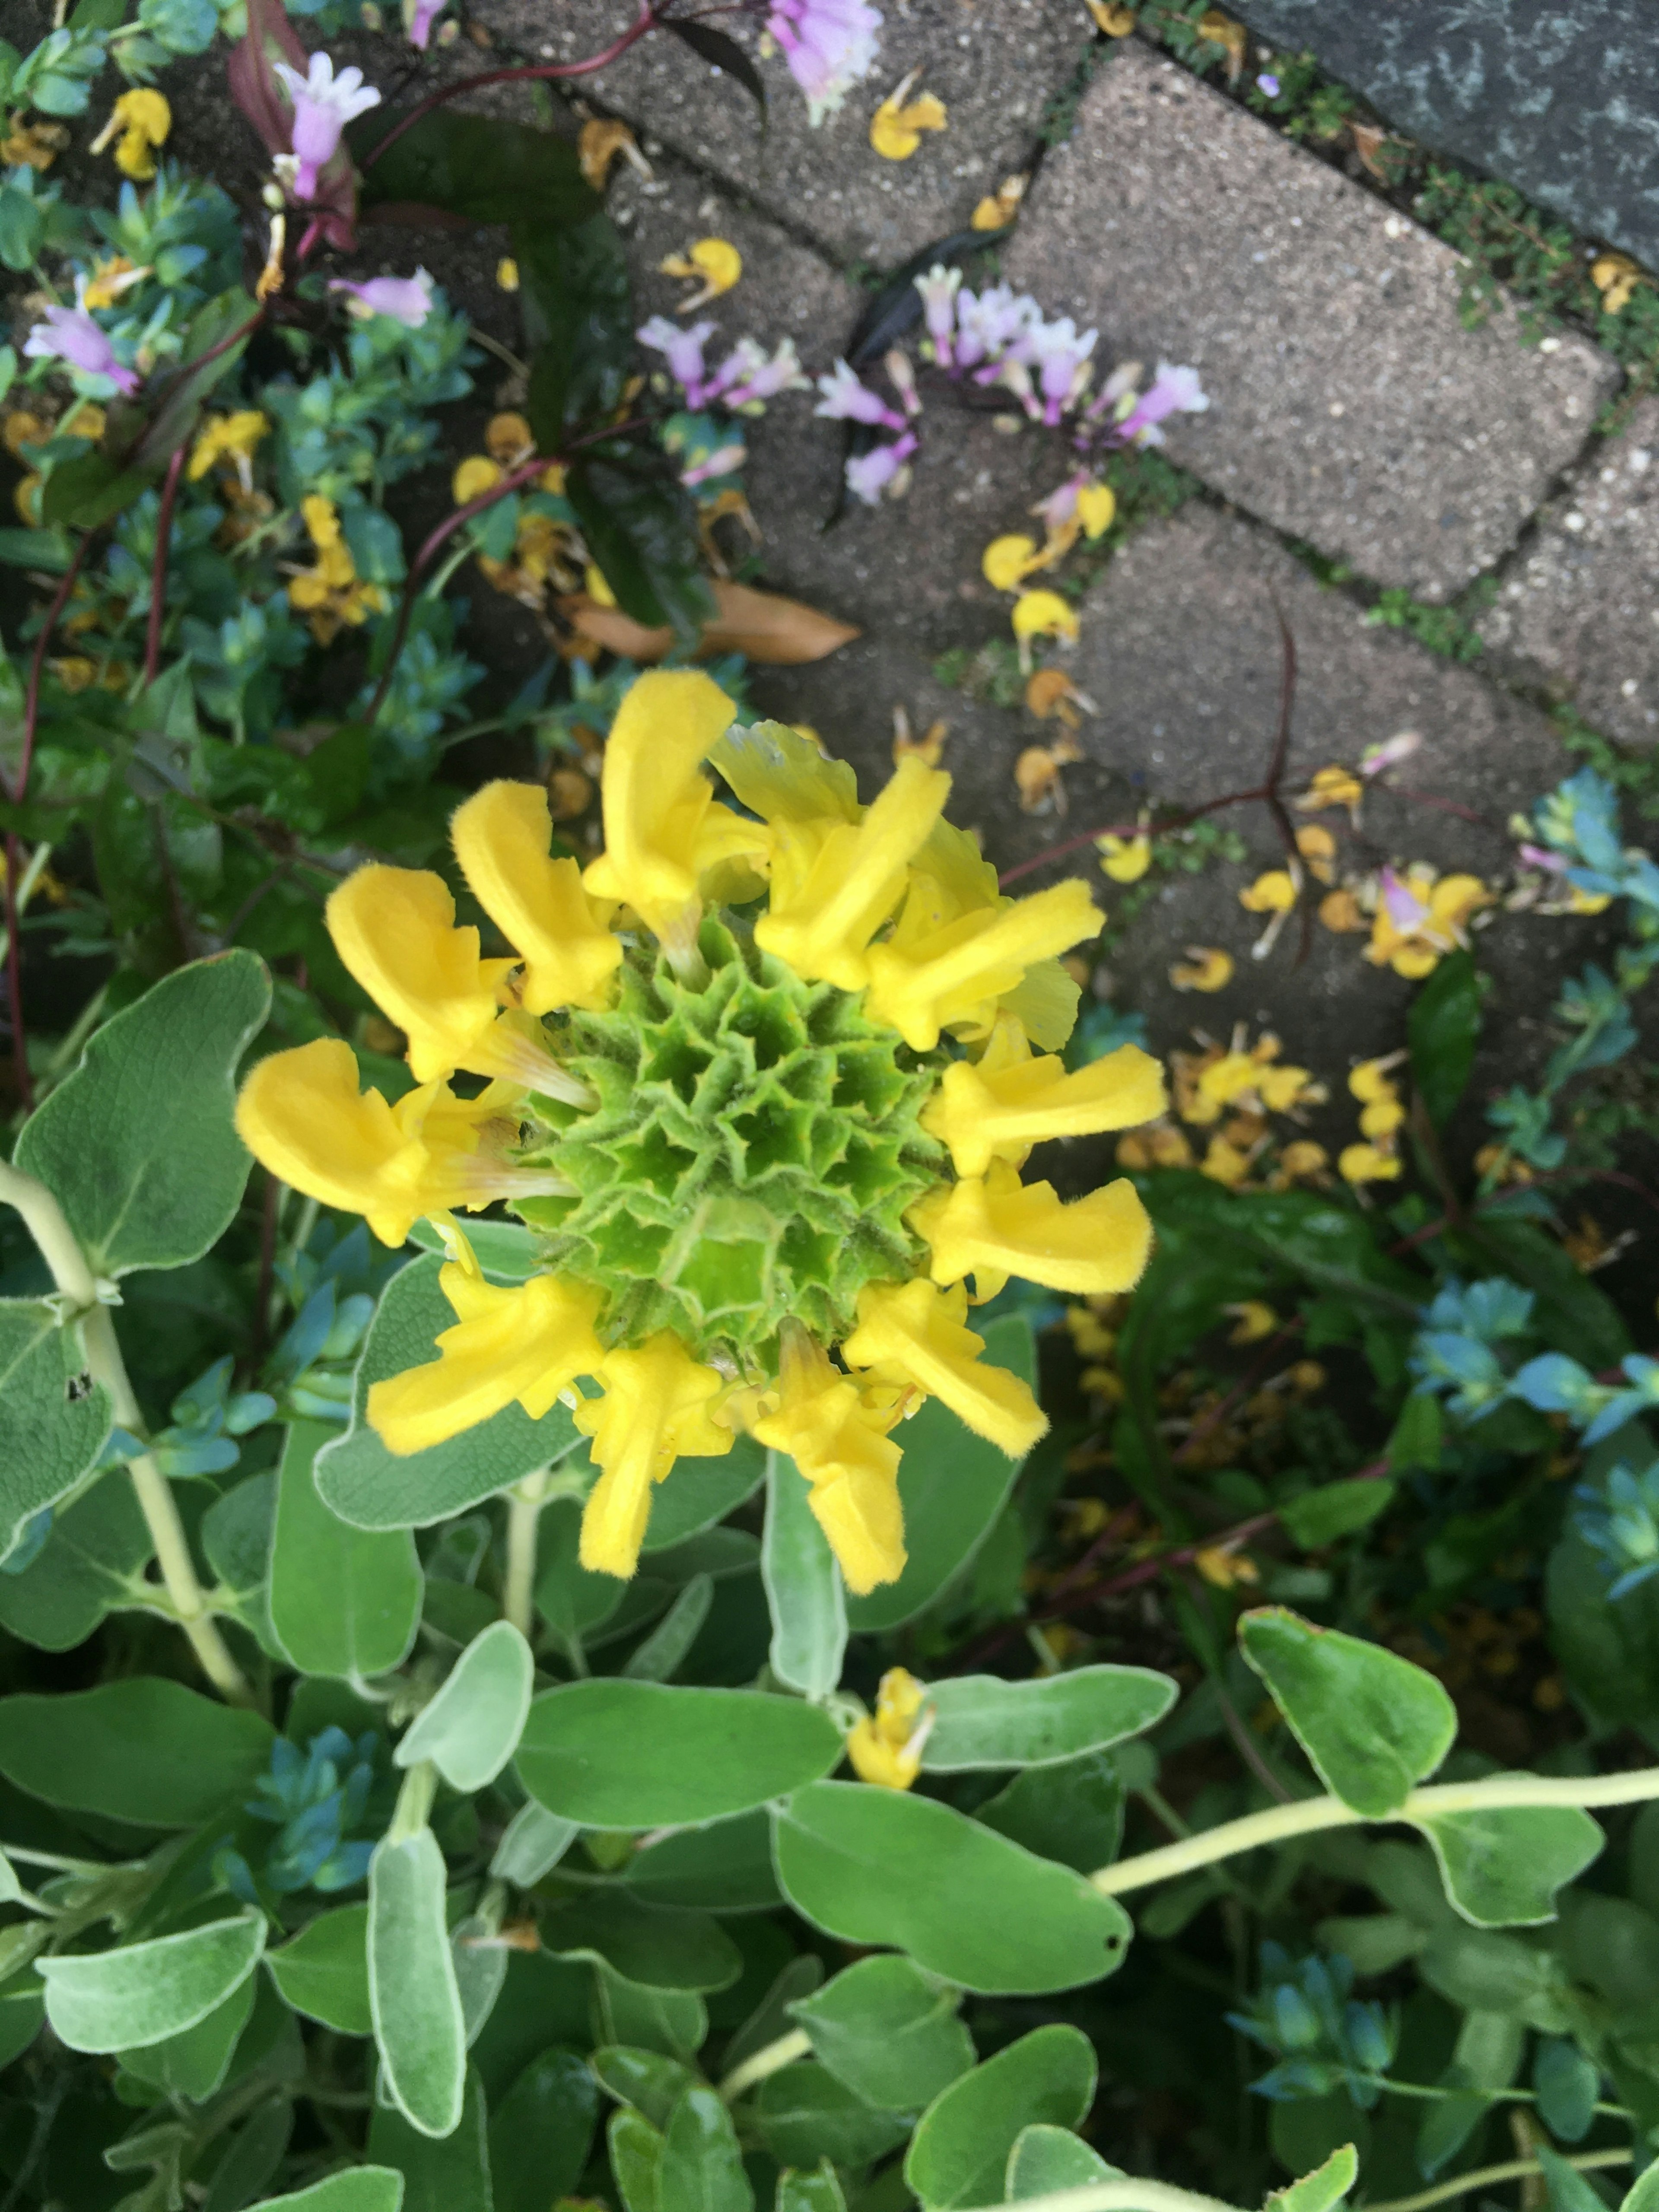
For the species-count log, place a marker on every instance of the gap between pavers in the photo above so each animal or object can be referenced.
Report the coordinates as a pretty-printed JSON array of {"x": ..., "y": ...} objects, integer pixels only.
[{"x": 1350, "y": 407}]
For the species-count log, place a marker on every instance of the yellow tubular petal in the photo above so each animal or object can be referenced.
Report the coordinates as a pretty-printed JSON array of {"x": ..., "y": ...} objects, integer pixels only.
[
  {"x": 526, "y": 1340},
  {"x": 301, "y": 1115},
  {"x": 1097, "y": 1244},
  {"x": 656, "y": 798},
  {"x": 914, "y": 1333},
  {"x": 821, "y": 923},
  {"x": 655, "y": 1410},
  {"x": 395, "y": 930},
  {"x": 501, "y": 837},
  {"x": 1000, "y": 1114},
  {"x": 952, "y": 976},
  {"x": 875, "y": 1760},
  {"x": 840, "y": 1444}
]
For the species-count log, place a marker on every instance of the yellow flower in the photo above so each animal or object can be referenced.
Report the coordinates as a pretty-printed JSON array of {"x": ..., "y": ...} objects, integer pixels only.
[
  {"x": 1096, "y": 507},
  {"x": 331, "y": 592},
  {"x": 109, "y": 280},
  {"x": 1360, "y": 1164},
  {"x": 1254, "y": 1318},
  {"x": 527, "y": 1341},
  {"x": 26, "y": 498},
  {"x": 76, "y": 672},
  {"x": 597, "y": 588},
  {"x": 227, "y": 437},
  {"x": 508, "y": 439},
  {"x": 1051, "y": 692},
  {"x": 1272, "y": 893},
  {"x": 476, "y": 473},
  {"x": 1369, "y": 1079},
  {"x": 1093, "y": 1340},
  {"x": 1304, "y": 1158},
  {"x": 886, "y": 1747},
  {"x": 1420, "y": 917},
  {"x": 1162, "y": 1146},
  {"x": 300, "y": 1113},
  {"x": 501, "y": 837},
  {"x": 1042, "y": 614},
  {"x": 1283, "y": 1087},
  {"x": 507, "y": 274},
  {"x": 1211, "y": 969},
  {"x": 1225, "y": 1163},
  {"x": 1009, "y": 1102},
  {"x": 1223, "y": 1568},
  {"x": 1381, "y": 1119},
  {"x": 143, "y": 119},
  {"x": 837, "y": 1437},
  {"x": 662, "y": 827},
  {"x": 656, "y": 1408},
  {"x": 597, "y": 144},
  {"x": 1615, "y": 277},
  {"x": 915, "y": 1336},
  {"x": 1339, "y": 911},
  {"x": 926, "y": 980},
  {"x": 1126, "y": 860},
  {"x": 895, "y": 127},
  {"x": 1113, "y": 17},
  {"x": 995, "y": 1226},
  {"x": 33, "y": 145},
  {"x": 1318, "y": 848},
  {"x": 715, "y": 261},
  {"x": 1333, "y": 786},
  {"x": 1000, "y": 207},
  {"x": 1007, "y": 560}
]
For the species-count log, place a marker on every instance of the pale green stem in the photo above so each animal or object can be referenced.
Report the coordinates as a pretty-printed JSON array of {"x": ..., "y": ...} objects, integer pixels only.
[
  {"x": 58, "y": 1863},
  {"x": 1436, "y": 2094},
  {"x": 524, "y": 1512},
  {"x": 409, "y": 1814},
  {"x": 1482, "y": 2177},
  {"x": 1309, "y": 1814},
  {"x": 58, "y": 1248},
  {"x": 26, "y": 883},
  {"x": 770, "y": 2058}
]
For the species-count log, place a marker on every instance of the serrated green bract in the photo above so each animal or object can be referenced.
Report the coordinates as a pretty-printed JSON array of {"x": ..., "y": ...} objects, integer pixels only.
[{"x": 753, "y": 1152}]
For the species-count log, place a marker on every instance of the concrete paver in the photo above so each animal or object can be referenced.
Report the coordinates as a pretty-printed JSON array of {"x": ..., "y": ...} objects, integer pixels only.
[{"x": 1350, "y": 406}]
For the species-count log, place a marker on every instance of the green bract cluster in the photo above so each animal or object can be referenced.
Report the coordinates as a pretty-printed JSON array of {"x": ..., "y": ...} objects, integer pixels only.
[{"x": 753, "y": 1153}]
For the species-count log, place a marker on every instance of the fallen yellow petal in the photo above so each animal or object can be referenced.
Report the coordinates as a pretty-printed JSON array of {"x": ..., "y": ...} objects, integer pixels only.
[
  {"x": 895, "y": 127},
  {"x": 1272, "y": 893},
  {"x": 507, "y": 274},
  {"x": 1113, "y": 17},
  {"x": 1006, "y": 561},
  {"x": 1043, "y": 614},
  {"x": 1210, "y": 969}
]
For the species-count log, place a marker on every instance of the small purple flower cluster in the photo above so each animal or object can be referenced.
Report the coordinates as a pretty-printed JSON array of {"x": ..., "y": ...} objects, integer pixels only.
[
  {"x": 744, "y": 382},
  {"x": 828, "y": 44}
]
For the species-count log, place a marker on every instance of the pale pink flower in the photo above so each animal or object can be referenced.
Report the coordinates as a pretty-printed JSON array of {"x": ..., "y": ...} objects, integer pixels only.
[
  {"x": 69, "y": 334},
  {"x": 870, "y": 474},
  {"x": 407, "y": 300},
  {"x": 845, "y": 401},
  {"x": 828, "y": 44},
  {"x": 323, "y": 104}
]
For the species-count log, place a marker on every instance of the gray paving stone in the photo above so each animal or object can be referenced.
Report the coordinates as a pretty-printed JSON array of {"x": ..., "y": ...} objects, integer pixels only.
[
  {"x": 1580, "y": 610},
  {"x": 1350, "y": 407},
  {"x": 996, "y": 66},
  {"x": 1560, "y": 97}
]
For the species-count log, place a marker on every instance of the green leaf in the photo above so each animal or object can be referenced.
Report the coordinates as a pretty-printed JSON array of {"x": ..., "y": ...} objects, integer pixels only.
[
  {"x": 641, "y": 526},
  {"x": 23, "y": 2015},
  {"x": 724, "y": 1867},
  {"x": 653, "y": 1948},
  {"x": 1569, "y": 2190},
  {"x": 1046, "y": 2158},
  {"x": 1073, "y": 1812},
  {"x": 960, "y": 2151},
  {"x": 1643, "y": 2195},
  {"x": 54, "y": 1421},
  {"x": 194, "y": 2062},
  {"x": 657, "y": 1657},
  {"x": 802, "y": 2113},
  {"x": 703, "y": 1491},
  {"x": 541, "y": 2132},
  {"x": 803, "y": 1588},
  {"x": 344, "y": 1601},
  {"x": 1320, "y": 2190},
  {"x": 953, "y": 1487},
  {"x": 359, "y": 2189},
  {"x": 701, "y": 2165},
  {"x": 111, "y": 2000},
  {"x": 323, "y": 1971},
  {"x": 144, "y": 1750},
  {"x": 1567, "y": 2085},
  {"x": 532, "y": 1843},
  {"x": 1502, "y": 1867},
  {"x": 138, "y": 1145},
  {"x": 481, "y": 166},
  {"x": 983, "y": 1720},
  {"x": 90, "y": 490},
  {"x": 674, "y": 2021},
  {"x": 817, "y": 2190},
  {"x": 650, "y": 2080},
  {"x": 635, "y": 2150},
  {"x": 878, "y": 1867},
  {"x": 371, "y": 1487},
  {"x": 579, "y": 319},
  {"x": 450, "y": 2174},
  {"x": 471, "y": 1728},
  {"x": 619, "y": 1754},
  {"x": 1336, "y": 1509},
  {"x": 1608, "y": 1653},
  {"x": 1442, "y": 1029},
  {"x": 887, "y": 2032},
  {"x": 419, "y": 2029},
  {"x": 1372, "y": 1724}
]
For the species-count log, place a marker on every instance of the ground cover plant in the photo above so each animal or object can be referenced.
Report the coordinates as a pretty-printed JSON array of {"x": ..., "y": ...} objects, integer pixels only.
[{"x": 606, "y": 1596}]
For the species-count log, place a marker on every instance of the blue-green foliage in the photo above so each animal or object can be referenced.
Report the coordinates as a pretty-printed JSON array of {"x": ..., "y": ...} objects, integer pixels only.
[
  {"x": 1323, "y": 2038},
  {"x": 1621, "y": 1522},
  {"x": 314, "y": 1799}
]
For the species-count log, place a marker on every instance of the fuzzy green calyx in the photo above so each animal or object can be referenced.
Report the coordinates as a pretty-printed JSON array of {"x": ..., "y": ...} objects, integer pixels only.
[{"x": 752, "y": 1155}]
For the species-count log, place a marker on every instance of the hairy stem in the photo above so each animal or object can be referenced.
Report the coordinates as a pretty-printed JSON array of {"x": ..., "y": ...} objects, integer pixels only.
[
  {"x": 1483, "y": 2177},
  {"x": 59, "y": 1249},
  {"x": 770, "y": 2058},
  {"x": 524, "y": 1512},
  {"x": 1309, "y": 1814}
]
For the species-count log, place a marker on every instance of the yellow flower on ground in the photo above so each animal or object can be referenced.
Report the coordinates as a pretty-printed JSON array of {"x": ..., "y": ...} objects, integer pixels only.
[
  {"x": 476, "y": 473},
  {"x": 1420, "y": 917},
  {"x": 897, "y": 126},
  {"x": 1207, "y": 969},
  {"x": 1362, "y": 1163},
  {"x": 1125, "y": 859},
  {"x": 33, "y": 145},
  {"x": 1225, "y": 1163},
  {"x": 1318, "y": 848},
  {"x": 1096, "y": 507},
  {"x": 1000, "y": 207},
  {"x": 1112, "y": 16},
  {"x": 1341, "y": 912},
  {"x": 729, "y": 1167},
  {"x": 110, "y": 279},
  {"x": 1051, "y": 692},
  {"x": 1005, "y": 560},
  {"x": 1253, "y": 1318},
  {"x": 715, "y": 262},
  {"x": 886, "y": 1747},
  {"x": 1160, "y": 1145},
  {"x": 1304, "y": 1158},
  {"x": 1272, "y": 893},
  {"x": 143, "y": 119},
  {"x": 226, "y": 437},
  {"x": 1615, "y": 277},
  {"x": 508, "y": 439},
  {"x": 507, "y": 274},
  {"x": 599, "y": 141},
  {"x": 1043, "y": 614},
  {"x": 1333, "y": 786},
  {"x": 1381, "y": 1119}
]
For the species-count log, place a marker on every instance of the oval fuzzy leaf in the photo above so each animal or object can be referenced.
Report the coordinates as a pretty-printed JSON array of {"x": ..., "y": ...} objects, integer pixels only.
[
  {"x": 54, "y": 1421},
  {"x": 471, "y": 1728},
  {"x": 323, "y": 1971},
  {"x": 621, "y": 1755},
  {"x": 960, "y": 2151},
  {"x": 1372, "y": 1724},
  {"x": 1046, "y": 2158},
  {"x": 145, "y": 1750},
  {"x": 1502, "y": 1867},
  {"x": 366, "y": 1485},
  {"x": 419, "y": 2029},
  {"x": 147, "y": 1991},
  {"x": 983, "y": 1720},
  {"x": 359, "y": 2189},
  {"x": 803, "y": 1588},
  {"x": 649, "y": 1946},
  {"x": 344, "y": 1601},
  {"x": 878, "y": 1867},
  {"x": 1322, "y": 2188},
  {"x": 953, "y": 1485},
  {"x": 702, "y": 2164},
  {"x": 889, "y": 2033},
  {"x": 138, "y": 1146}
]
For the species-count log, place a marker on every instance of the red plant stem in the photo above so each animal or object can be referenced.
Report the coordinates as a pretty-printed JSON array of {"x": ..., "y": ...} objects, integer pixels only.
[
  {"x": 158, "y": 574},
  {"x": 1246, "y": 1381},
  {"x": 1442, "y": 806},
  {"x": 37, "y": 665},
  {"x": 645, "y": 21}
]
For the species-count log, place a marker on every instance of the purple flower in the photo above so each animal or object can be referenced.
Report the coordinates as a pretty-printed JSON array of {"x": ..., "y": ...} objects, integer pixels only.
[
  {"x": 828, "y": 45},
  {"x": 421, "y": 17},
  {"x": 749, "y": 377},
  {"x": 845, "y": 401},
  {"x": 871, "y": 473},
  {"x": 720, "y": 463},
  {"x": 1539, "y": 856},
  {"x": 407, "y": 300},
  {"x": 1059, "y": 357},
  {"x": 939, "y": 307},
  {"x": 1171, "y": 392},
  {"x": 323, "y": 104},
  {"x": 1406, "y": 911},
  {"x": 1268, "y": 83},
  {"x": 988, "y": 323},
  {"x": 69, "y": 334},
  {"x": 682, "y": 348}
]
